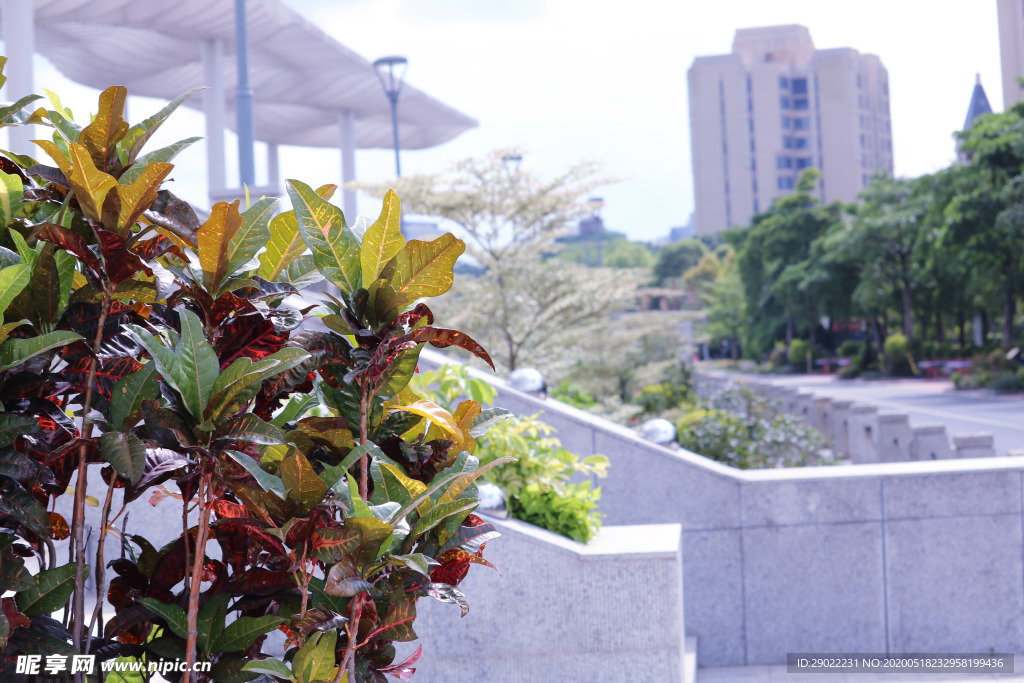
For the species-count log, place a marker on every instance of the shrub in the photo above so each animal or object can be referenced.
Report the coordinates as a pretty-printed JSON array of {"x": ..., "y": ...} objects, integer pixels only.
[
  {"x": 799, "y": 349},
  {"x": 851, "y": 371},
  {"x": 897, "y": 355},
  {"x": 573, "y": 395},
  {"x": 778, "y": 356},
  {"x": 336, "y": 495},
  {"x": 538, "y": 486},
  {"x": 1007, "y": 381},
  {"x": 851, "y": 348},
  {"x": 740, "y": 429}
]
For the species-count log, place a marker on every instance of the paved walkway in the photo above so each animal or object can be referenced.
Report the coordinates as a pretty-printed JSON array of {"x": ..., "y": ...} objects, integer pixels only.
[{"x": 772, "y": 674}]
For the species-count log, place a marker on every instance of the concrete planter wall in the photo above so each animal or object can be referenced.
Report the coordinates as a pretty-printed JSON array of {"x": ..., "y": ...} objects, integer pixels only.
[{"x": 887, "y": 557}]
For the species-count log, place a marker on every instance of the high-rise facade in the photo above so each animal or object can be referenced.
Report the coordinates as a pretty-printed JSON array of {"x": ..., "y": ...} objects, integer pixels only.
[
  {"x": 1011, "y": 48},
  {"x": 771, "y": 108}
]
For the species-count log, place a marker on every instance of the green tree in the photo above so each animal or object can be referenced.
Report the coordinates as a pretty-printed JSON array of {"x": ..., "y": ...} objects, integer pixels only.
[
  {"x": 987, "y": 213},
  {"x": 677, "y": 258}
]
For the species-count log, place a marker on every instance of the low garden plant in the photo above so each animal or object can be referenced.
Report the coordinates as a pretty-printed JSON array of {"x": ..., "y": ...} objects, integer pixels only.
[
  {"x": 547, "y": 485},
  {"x": 317, "y": 494}
]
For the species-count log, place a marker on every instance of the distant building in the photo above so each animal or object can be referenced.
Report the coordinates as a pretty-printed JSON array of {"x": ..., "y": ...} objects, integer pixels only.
[
  {"x": 774, "y": 106},
  {"x": 979, "y": 105},
  {"x": 1011, "y": 48},
  {"x": 681, "y": 232}
]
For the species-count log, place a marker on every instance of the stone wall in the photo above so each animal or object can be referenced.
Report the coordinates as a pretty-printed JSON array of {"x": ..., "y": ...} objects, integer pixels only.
[{"x": 882, "y": 557}]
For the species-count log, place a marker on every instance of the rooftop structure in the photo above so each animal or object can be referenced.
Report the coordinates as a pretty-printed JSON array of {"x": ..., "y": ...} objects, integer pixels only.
[{"x": 310, "y": 90}]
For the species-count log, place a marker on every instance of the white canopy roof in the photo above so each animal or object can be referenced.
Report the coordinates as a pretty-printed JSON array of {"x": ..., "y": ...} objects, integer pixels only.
[{"x": 302, "y": 78}]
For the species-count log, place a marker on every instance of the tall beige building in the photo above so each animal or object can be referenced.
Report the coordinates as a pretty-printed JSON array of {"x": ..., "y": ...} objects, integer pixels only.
[
  {"x": 1011, "y": 48},
  {"x": 774, "y": 106}
]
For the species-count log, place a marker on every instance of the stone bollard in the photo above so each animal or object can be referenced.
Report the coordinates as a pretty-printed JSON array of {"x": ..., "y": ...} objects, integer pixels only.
[
  {"x": 930, "y": 443},
  {"x": 802, "y": 404},
  {"x": 977, "y": 445},
  {"x": 863, "y": 423},
  {"x": 819, "y": 414},
  {"x": 894, "y": 437},
  {"x": 838, "y": 428},
  {"x": 788, "y": 397}
]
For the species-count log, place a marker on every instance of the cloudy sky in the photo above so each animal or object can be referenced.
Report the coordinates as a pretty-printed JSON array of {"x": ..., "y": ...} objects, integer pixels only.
[{"x": 594, "y": 80}]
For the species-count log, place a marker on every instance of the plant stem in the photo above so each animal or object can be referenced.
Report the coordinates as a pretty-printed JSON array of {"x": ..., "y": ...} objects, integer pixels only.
[
  {"x": 364, "y": 466},
  {"x": 197, "y": 573},
  {"x": 352, "y": 629},
  {"x": 100, "y": 571},
  {"x": 78, "y": 609}
]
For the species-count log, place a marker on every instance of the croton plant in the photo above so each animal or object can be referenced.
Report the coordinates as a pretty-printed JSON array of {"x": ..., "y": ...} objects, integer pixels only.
[{"x": 318, "y": 495}]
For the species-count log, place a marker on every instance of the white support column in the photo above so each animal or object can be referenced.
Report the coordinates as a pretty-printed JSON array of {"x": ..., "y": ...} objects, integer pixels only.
[
  {"x": 346, "y": 124},
  {"x": 273, "y": 168},
  {"x": 213, "y": 107},
  {"x": 20, "y": 44}
]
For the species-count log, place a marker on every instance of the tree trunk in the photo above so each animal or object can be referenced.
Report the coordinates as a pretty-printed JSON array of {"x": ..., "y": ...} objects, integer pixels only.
[
  {"x": 984, "y": 326},
  {"x": 1009, "y": 313},
  {"x": 908, "y": 314},
  {"x": 879, "y": 339},
  {"x": 940, "y": 333}
]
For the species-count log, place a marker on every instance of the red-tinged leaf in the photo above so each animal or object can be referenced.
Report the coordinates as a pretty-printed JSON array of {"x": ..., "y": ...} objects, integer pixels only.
[
  {"x": 248, "y": 336},
  {"x": 155, "y": 247},
  {"x": 84, "y": 318},
  {"x": 472, "y": 535},
  {"x": 71, "y": 242},
  {"x": 225, "y": 509},
  {"x": 15, "y": 618},
  {"x": 249, "y": 529},
  {"x": 263, "y": 582},
  {"x": 120, "y": 263},
  {"x": 58, "y": 527},
  {"x": 442, "y": 338},
  {"x": 317, "y": 619},
  {"x": 126, "y": 620},
  {"x": 229, "y": 303},
  {"x": 170, "y": 569},
  {"x": 161, "y": 465},
  {"x": 176, "y": 216},
  {"x": 397, "y": 623},
  {"x": 455, "y": 565},
  {"x": 47, "y": 173},
  {"x": 108, "y": 373},
  {"x": 418, "y": 316},
  {"x": 404, "y": 670}
]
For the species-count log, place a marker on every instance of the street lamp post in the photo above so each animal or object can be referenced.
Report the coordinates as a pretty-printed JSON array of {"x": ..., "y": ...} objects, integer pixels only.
[
  {"x": 391, "y": 73},
  {"x": 511, "y": 163}
]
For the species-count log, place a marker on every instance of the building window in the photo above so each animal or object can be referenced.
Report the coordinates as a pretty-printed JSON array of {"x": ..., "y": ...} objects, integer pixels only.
[
  {"x": 803, "y": 162},
  {"x": 789, "y": 142},
  {"x": 784, "y": 102},
  {"x": 858, "y": 81},
  {"x": 753, "y": 164},
  {"x": 799, "y": 103},
  {"x": 750, "y": 105},
  {"x": 783, "y": 163},
  {"x": 864, "y": 180},
  {"x": 783, "y": 82},
  {"x": 860, "y": 101},
  {"x": 862, "y": 143},
  {"x": 787, "y": 122},
  {"x": 748, "y": 84},
  {"x": 885, "y": 87},
  {"x": 750, "y": 124},
  {"x": 799, "y": 86},
  {"x": 785, "y": 183},
  {"x": 864, "y": 160},
  {"x": 802, "y": 123}
]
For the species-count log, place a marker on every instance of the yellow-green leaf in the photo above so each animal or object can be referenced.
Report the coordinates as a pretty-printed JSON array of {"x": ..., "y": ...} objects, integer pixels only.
[
  {"x": 55, "y": 153},
  {"x": 285, "y": 245},
  {"x": 11, "y": 190},
  {"x": 422, "y": 269},
  {"x": 252, "y": 235},
  {"x": 214, "y": 237},
  {"x": 109, "y": 126},
  {"x": 383, "y": 239},
  {"x": 140, "y": 194},
  {"x": 90, "y": 184},
  {"x": 301, "y": 481},
  {"x": 322, "y": 226},
  {"x": 437, "y": 415}
]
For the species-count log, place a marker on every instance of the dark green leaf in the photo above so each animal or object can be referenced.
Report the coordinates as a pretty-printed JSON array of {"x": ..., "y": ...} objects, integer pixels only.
[
  {"x": 17, "y": 502},
  {"x": 270, "y": 667},
  {"x": 11, "y": 425},
  {"x": 50, "y": 591},
  {"x": 16, "y": 351},
  {"x": 175, "y": 617},
  {"x": 487, "y": 418},
  {"x": 242, "y": 632},
  {"x": 248, "y": 427},
  {"x": 129, "y": 393},
  {"x": 266, "y": 480},
  {"x": 197, "y": 367},
  {"x": 315, "y": 660},
  {"x": 126, "y": 453}
]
